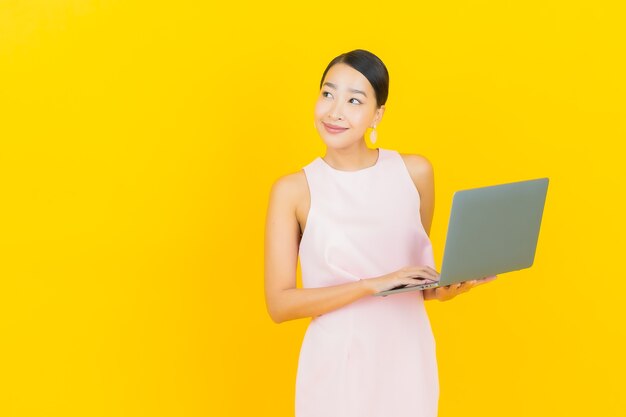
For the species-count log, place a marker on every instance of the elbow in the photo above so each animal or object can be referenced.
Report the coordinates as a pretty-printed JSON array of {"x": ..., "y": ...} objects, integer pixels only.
[
  {"x": 275, "y": 314},
  {"x": 276, "y": 306},
  {"x": 276, "y": 318},
  {"x": 279, "y": 318},
  {"x": 280, "y": 315},
  {"x": 279, "y": 309}
]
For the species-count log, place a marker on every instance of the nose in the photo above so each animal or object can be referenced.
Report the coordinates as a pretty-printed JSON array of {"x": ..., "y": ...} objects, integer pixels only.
[{"x": 336, "y": 111}]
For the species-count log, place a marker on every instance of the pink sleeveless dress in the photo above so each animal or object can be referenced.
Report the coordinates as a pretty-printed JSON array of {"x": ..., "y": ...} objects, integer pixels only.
[{"x": 374, "y": 357}]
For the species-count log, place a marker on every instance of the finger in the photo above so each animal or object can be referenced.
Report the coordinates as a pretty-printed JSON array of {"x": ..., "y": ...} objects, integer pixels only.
[
  {"x": 424, "y": 275},
  {"x": 462, "y": 287},
  {"x": 487, "y": 279},
  {"x": 433, "y": 270},
  {"x": 423, "y": 278},
  {"x": 428, "y": 271},
  {"x": 431, "y": 273}
]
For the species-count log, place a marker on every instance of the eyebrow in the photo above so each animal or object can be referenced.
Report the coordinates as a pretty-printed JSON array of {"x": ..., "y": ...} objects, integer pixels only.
[{"x": 350, "y": 89}]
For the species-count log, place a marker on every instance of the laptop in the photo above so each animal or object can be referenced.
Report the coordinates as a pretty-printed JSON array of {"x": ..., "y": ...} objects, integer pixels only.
[{"x": 492, "y": 230}]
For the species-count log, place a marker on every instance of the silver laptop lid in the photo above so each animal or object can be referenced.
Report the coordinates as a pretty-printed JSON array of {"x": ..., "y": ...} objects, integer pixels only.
[{"x": 493, "y": 230}]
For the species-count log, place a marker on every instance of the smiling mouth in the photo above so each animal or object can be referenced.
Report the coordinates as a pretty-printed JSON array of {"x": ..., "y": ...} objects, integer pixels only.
[{"x": 334, "y": 129}]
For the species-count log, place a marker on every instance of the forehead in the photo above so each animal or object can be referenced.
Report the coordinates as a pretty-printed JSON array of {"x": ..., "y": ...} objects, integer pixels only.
[{"x": 344, "y": 76}]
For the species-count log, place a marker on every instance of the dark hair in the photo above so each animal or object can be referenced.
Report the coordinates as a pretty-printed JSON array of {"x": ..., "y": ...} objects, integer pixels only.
[{"x": 370, "y": 66}]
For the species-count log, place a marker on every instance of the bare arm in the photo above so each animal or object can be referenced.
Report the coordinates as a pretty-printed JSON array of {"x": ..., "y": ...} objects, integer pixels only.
[
  {"x": 422, "y": 173},
  {"x": 296, "y": 303},
  {"x": 282, "y": 238}
]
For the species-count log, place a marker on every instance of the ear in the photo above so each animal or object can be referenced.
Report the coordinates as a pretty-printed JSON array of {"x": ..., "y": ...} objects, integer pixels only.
[{"x": 379, "y": 115}]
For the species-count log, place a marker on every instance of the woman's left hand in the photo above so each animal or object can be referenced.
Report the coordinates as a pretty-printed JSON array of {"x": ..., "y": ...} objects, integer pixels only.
[{"x": 448, "y": 292}]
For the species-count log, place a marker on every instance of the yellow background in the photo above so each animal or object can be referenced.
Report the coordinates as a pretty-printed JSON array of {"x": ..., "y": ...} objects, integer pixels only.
[{"x": 138, "y": 144}]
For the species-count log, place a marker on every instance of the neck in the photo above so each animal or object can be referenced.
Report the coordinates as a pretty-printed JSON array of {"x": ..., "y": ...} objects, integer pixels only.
[{"x": 351, "y": 159}]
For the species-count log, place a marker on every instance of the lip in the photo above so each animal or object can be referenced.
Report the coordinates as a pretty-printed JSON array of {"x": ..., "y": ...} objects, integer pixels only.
[{"x": 334, "y": 129}]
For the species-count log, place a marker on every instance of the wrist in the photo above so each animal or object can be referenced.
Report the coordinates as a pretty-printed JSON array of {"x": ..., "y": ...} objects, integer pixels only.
[{"x": 368, "y": 285}]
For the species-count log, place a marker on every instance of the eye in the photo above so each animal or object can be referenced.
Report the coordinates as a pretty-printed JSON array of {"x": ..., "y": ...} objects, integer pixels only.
[
  {"x": 324, "y": 93},
  {"x": 357, "y": 101}
]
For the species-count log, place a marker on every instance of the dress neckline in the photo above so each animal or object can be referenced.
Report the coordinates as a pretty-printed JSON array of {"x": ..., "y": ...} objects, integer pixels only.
[{"x": 341, "y": 171}]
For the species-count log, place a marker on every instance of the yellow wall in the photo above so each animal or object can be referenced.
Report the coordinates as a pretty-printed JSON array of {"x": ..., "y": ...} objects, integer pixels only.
[{"x": 138, "y": 143}]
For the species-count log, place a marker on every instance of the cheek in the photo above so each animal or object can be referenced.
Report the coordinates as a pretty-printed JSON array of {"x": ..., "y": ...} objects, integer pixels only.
[
  {"x": 359, "y": 117},
  {"x": 321, "y": 108}
]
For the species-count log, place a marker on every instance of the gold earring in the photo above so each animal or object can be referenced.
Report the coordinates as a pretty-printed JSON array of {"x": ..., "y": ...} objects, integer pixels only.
[{"x": 373, "y": 135}]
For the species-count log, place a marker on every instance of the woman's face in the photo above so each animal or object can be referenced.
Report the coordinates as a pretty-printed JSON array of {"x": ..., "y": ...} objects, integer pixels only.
[{"x": 346, "y": 102}]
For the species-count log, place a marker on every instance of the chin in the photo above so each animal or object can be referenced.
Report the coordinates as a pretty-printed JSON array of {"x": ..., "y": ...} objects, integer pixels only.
[{"x": 338, "y": 143}]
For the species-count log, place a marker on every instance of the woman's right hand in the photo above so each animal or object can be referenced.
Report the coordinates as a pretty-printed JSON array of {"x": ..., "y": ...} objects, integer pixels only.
[{"x": 407, "y": 276}]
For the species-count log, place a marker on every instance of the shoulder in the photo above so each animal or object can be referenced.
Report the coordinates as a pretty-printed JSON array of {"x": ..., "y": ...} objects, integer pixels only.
[
  {"x": 289, "y": 188},
  {"x": 418, "y": 166}
]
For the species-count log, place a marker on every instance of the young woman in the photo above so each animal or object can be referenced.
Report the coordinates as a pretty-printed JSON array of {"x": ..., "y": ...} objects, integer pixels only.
[{"x": 359, "y": 219}]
